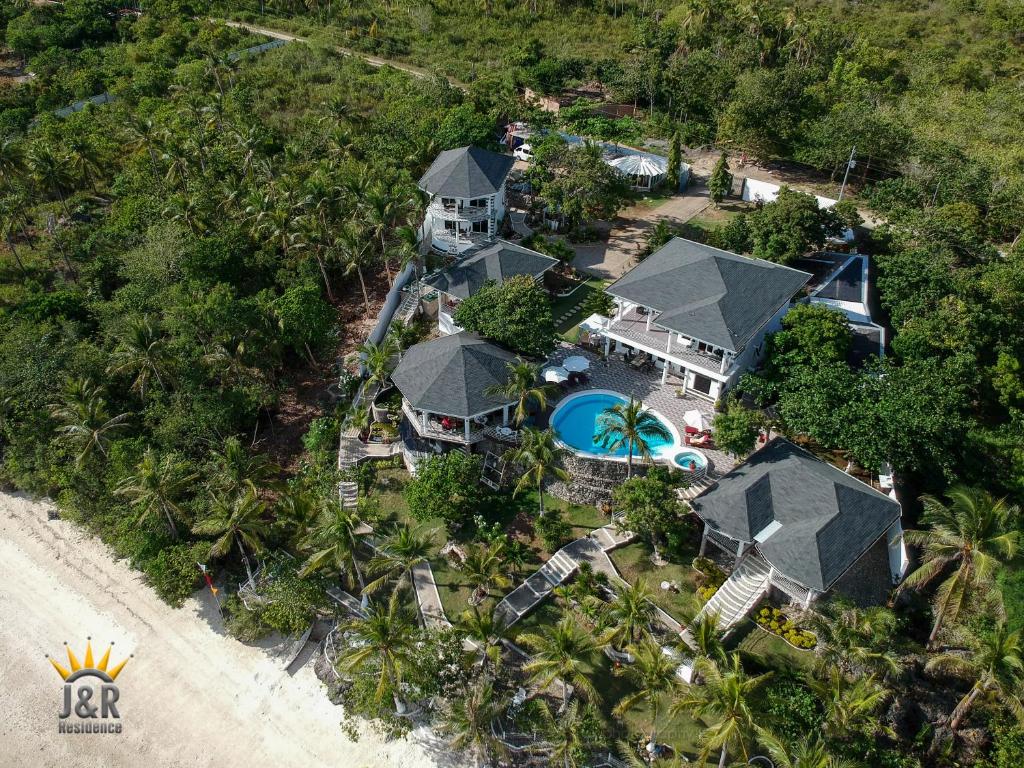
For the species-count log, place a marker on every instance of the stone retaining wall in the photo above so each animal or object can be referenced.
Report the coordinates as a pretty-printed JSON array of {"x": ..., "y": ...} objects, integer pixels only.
[{"x": 593, "y": 480}]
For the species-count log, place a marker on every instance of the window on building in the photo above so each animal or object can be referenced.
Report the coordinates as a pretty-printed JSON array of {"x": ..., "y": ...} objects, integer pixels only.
[
  {"x": 448, "y": 202},
  {"x": 480, "y": 202},
  {"x": 480, "y": 226},
  {"x": 450, "y": 225},
  {"x": 701, "y": 384}
]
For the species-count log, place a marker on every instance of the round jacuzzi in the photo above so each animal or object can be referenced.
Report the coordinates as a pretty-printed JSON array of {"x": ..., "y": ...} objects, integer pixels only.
[{"x": 690, "y": 460}]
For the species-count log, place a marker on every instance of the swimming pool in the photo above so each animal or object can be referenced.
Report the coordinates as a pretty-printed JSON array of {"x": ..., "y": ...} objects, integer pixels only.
[{"x": 574, "y": 420}]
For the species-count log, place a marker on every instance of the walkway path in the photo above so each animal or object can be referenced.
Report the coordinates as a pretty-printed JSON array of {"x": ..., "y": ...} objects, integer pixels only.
[
  {"x": 373, "y": 61},
  {"x": 428, "y": 598},
  {"x": 628, "y": 234}
]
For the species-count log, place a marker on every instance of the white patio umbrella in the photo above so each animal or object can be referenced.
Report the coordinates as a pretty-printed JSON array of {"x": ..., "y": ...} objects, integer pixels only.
[
  {"x": 556, "y": 374},
  {"x": 594, "y": 324},
  {"x": 576, "y": 363},
  {"x": 697, "y": 420}
]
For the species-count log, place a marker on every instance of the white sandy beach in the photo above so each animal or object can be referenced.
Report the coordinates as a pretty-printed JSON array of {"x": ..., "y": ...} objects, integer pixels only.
[{"x": 191, "y": 696}]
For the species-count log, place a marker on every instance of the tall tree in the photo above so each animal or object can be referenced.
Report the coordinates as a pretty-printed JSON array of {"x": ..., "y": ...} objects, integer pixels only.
[
  {"x": 86, "y": 423},
  {"x": 653, "y": 677},
  {"x": 629, "y": 615},
  {"x": 540, "y": 456},
  {"x": 720, "y": 181},
  {"x": 333, "y": 544},
  {"x": 648, "y": 506},
  {"x": 468, "y": 719},
  {"x": 156, "y": 487},
  {"x": 484, "y": 568},
  {"x": 630, "y": 426},
  {"x": 400, "y": 553},
  {"x": 971, "y": 535},
  {"x": 561, "y": 652},
  {"x": 141, "y": 352},
  {"x": 997, "y": 668},
  {"x": 675, "y": 163},
  {"x": 523, "y": 387},
  {"x": 239, "y": 520}
]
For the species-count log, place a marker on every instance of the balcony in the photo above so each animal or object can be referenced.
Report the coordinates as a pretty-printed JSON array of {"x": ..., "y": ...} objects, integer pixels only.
[
  {"x": 632, "y": 329},
  {"x": 434, "y": 431},
  {"x": 457, "y": 212},
  {"x": 445, "y": 241}
]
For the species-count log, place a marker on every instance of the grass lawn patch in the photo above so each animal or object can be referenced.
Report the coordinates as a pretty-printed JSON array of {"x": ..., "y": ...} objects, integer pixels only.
[
  {"x": 634, "y": 562},
  {"x": 568, "y": 310},
  {"x": 770, "y": 651}
]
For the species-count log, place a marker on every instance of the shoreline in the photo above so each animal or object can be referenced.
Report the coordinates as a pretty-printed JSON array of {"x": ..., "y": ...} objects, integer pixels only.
[{"x": 190, "y": 695}]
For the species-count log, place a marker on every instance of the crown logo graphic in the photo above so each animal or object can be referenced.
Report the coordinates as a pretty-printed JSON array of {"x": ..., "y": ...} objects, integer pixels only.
[{"x": 88, "y": 665}]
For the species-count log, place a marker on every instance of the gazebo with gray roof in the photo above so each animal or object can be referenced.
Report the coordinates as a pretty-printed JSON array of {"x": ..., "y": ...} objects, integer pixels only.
[
  {"x": 450, "y": 377},
  {"x": 810, "y": 521}
]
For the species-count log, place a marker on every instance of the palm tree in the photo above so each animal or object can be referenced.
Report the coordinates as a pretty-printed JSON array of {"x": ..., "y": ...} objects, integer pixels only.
[
  {"x": 811, "y": 752},
  {"x": 725, "y": 703},
  {"x": 402, "y": 551},
  {"x": 632, "y": 426},
  {"x": 707, "y": 639},
  {"x": 997, "y": 666},
  {"x": 10, "y": 215},
  {"x": 240, "y": 520},
  {"x": 629, "y": 615},
  {"x": 50, "y": 170},
  {"x": 652, "y": 675},
  {"x": 377, "y": 359},
  {"x": 384, "y": 644},
  {"x": 486, "y": 631},
  {"x": 467, "y": 721},
  {"x": 334, "y": 542},
  {"x": 86, "y": 423},
  {"x": 353, "y": 245},
  {"x": 141, "y": 352},
  {"x": 540, "y": 456},
  {"x": 522, "y": 387},
  {"x": 571, "y": 734},
  {"x": 237, "y": 469},
  {"x": 484, "y": 568},
  {"x": 974, "y": 533},
  {"x": 854, "y": 639},
  {"x": 382, "y": 209},
  {"x": 156, "y": 486},
  {"x": 561, "y": 652},
  {"x": 850, "y": 707}
]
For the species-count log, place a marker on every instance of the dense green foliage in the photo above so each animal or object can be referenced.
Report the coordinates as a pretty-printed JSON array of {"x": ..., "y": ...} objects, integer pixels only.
[
  {"x": 446, "y": 487},
  {"x": 516, "y": 314}
]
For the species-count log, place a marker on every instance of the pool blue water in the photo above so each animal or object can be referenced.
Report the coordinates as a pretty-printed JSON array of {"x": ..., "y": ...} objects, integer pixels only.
[
  {"x": 576, "y": 424},
  {"x": 680, "y": 459}
]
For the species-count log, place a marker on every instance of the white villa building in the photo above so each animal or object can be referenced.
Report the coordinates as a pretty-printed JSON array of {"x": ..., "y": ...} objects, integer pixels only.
[
  {"x": 467, "y": 198},
  {"x": 493, "y": 263},
  {"x": 700, "y": 314}
]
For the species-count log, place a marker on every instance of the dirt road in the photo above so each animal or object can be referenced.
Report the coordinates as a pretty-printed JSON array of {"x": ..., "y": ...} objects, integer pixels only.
[{"x": 190, "y": 696}]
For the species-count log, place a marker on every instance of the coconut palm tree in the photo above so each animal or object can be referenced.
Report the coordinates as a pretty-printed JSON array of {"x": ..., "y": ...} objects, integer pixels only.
[
  {"x": 570, "y": 734},
  {"x": 706, "y": 638},
  {"x": 141, "y": 352},
  {"x": 632, "y": 426},
  {"x": 50, "y": 169},
  {"x": 86, "y": 424},
  {"x": 10, "y": 215},
  {"x": 810, "y": 752},
  {"x": 487, "y": 631},
  {"x": 240, "y": 520},
  {"x": 353, "y": 246},
  {"x": 850, "y": 706},
  {"x": 540, "y": 456},
  {"x": 726, "y": 704},
  {"x": 522, "y": 388},
  {"x": 237, "y": 469},
  {"x": 467, "y": 722},
  {"x": 997, "y": 667},
  {"x": 484, "y": 568},
  {"x": 973, "y": 534},
  {"x": 377, "y": 359},
  {"x": 156, "y": 486},
  {"x": 403, "y": 550},
  {"x": 333, "y": 543},
  {"x": 854, "y": 639},
  {"x": 629, "y": 615},
  {"x": 382, "y": 209},
  {"x": 652, "y": 675},
  {"x": 561, "y": 652},
  {"x": 385, "y": 644}
]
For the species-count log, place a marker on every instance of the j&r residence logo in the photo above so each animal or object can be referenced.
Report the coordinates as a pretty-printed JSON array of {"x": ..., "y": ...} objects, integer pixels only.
[{"x": 90, "y": 703}]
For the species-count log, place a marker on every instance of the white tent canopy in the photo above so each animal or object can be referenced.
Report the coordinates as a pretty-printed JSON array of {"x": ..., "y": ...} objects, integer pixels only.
[
  {"x": 697, "y": 420},
  {"x": 594, "y": 324},
  {"x": 576, "y": 363},
  {"x": 555, "y": 374},
  {"x": 644, "y": 171}
]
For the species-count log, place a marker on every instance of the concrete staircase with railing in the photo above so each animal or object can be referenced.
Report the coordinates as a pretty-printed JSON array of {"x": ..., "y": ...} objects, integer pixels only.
[{"x": 747, "y": 584}]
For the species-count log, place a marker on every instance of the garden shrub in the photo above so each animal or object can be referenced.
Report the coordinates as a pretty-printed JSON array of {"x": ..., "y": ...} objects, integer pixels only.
[
  {"x": 174, "y": 572},
  {"x": 776, "y": 622},
  {"x": 553, "y": 530}
]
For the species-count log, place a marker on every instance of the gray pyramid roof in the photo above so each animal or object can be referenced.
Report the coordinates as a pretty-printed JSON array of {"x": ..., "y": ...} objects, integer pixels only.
[
  {"x": 809, "y": 519},
  {"x": 449, "y": 375},
  {"x": 707, "y": 293},
  {"x": 496, "y": 262},
  {"x": 466, "y": 172}
]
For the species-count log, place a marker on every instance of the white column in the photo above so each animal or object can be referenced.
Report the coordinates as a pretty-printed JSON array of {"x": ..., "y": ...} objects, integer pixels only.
[
  {"x": 423, "y": 419},
  {"x": 725, "y": 363},
  {"x": 465, "y": 425},
  {"x": 607, "y": 344},
  {"x": 668, "y": 346},
  {"x": 618, "y": 310},
  {"x": 504, "y": 415},
  {"x": 649, "y": 313}
]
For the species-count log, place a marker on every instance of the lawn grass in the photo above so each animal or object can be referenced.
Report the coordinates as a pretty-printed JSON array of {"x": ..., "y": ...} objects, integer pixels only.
[
  {"x": 768, "y": 650},
  {"x": 569, "y": 328},
  {"x": 634, "y": 562}
]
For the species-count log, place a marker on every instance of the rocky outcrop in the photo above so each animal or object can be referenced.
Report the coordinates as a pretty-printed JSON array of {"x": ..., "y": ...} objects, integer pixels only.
[{"x": 592, "y": 480}]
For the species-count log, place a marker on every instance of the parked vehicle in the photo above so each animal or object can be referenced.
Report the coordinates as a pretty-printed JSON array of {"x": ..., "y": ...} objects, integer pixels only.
[{"x": 523, "y": 152}]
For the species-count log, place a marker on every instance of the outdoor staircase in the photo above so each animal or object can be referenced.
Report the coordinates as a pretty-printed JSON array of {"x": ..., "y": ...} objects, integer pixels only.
[
  {"x": 696, "y": 487},
  {"x": 523, "y": 598},
  {"x": 737, "y": 596},
  {"x": 407, "y": 308},
  {"x": 349, "y": 495}
]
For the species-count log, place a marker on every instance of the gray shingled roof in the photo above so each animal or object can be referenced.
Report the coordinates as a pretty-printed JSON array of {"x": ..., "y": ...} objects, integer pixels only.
[
  {"x": 707, "y": 293},
  {"x": 449, "y": 375},
  {"x": 497, "y": 262},
  {"x": 466, "y": 172},
  {"x": 826, "y": 519}
]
